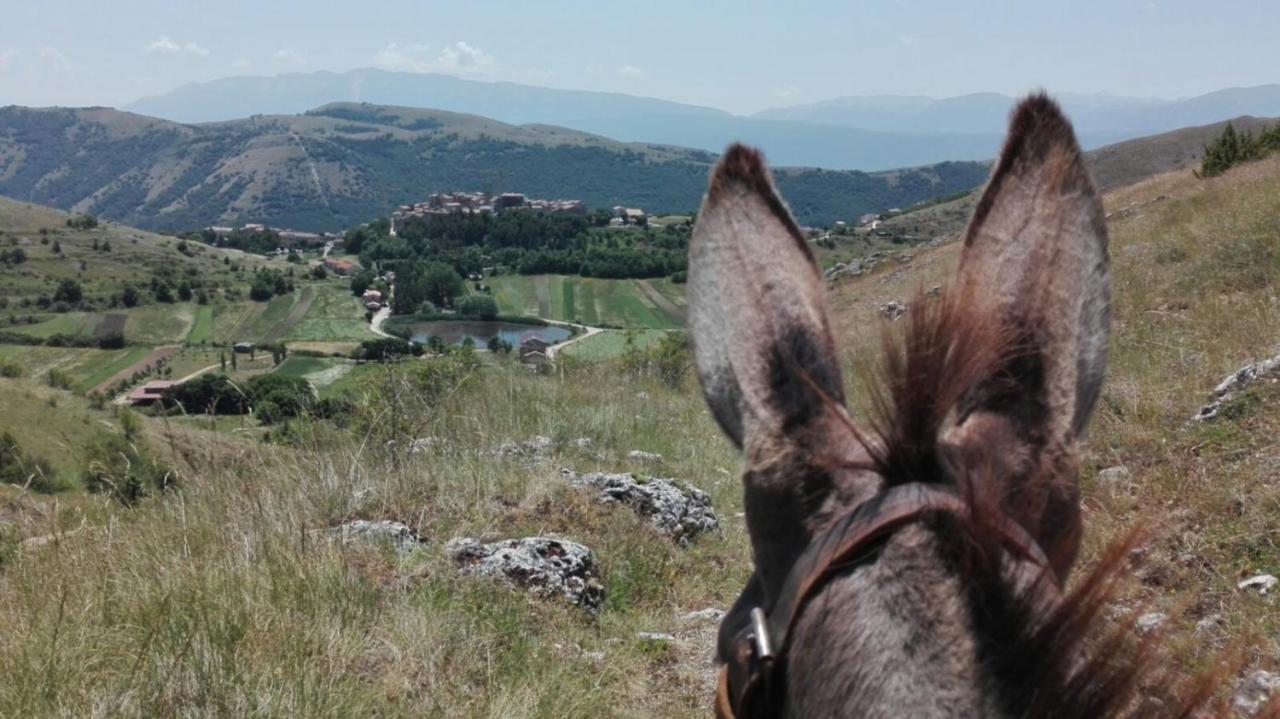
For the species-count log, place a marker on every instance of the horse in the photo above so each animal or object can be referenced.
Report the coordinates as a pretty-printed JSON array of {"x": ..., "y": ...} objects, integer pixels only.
[{"x": 914, "y": 565}]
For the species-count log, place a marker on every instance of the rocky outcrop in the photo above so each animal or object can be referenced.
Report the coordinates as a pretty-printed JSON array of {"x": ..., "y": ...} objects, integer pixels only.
[
  {"x": 642, "y": 456},
  {"x": 382, "y": 531},
  {"x": 545, "y": 566},
  {"x": 893, "y": 309},
  {"x": 1235, "y": 383},
  {"x": 536, "y": 447},
  {"x": 675, "y": 509}
]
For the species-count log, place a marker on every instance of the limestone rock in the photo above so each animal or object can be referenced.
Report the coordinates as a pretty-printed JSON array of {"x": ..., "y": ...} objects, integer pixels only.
[
  {"x": 535, "y": 447},
  {"x": 1254, "y": 691},
  {"x": 381, "y": 531},
  {"x": 643, "y": 456},
  {"x": 710, "y": 614},
  {"x": 1260, "y": 583},
  {"x": 1150, "y": 622},
  {"x": 675, "y": 509},
  {"x": 1115, "y": 479},
  {"x": 893, "y": 309},
  {"x": 543, "y": 565},
  {"x": 1234, "y": 383}
]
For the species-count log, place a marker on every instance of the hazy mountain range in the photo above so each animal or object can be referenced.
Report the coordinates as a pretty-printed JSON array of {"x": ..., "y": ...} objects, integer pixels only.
[
  {"x": 867, "y": 133},
  {"x": 346, "y": 163}
]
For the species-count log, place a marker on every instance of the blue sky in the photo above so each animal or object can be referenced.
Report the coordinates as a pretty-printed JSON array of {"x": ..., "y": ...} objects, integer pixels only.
[{"x": 741, "y": 55}]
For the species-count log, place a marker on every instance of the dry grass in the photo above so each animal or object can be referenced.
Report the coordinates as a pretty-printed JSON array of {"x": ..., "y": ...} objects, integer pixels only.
[
  {"x": 1195, "y": 270},
  {"x": 219, "y": 600}
]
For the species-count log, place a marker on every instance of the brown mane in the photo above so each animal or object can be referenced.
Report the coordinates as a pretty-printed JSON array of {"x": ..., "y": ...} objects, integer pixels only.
[{"x": 1060, "y": 659}]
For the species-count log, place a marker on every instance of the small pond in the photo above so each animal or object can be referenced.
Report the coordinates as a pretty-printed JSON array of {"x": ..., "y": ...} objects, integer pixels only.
[{"x": 454, "y": 332}]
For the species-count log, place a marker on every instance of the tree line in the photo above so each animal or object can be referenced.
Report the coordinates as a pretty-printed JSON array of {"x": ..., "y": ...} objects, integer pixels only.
[{"x": 1232, "y": 147}]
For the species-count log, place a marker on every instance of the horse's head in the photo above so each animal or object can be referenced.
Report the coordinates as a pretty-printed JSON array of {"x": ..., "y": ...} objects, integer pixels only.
[{"x": 909, "y": 567}]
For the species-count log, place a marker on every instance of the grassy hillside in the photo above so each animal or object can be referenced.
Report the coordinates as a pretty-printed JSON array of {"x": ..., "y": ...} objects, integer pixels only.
[
  {"x": 102, "y": 259},
  {"x": 1113, "y": 166},
  {"x": 347, "y": 163},
  {"x": 227, "y": 597}
]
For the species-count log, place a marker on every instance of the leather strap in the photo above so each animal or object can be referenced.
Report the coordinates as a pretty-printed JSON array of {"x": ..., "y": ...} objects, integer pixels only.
[{"x": 751, "y": 685}]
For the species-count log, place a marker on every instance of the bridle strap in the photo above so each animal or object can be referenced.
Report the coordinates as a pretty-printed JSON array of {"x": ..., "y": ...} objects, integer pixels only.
[{"x": 751, "y": 685}]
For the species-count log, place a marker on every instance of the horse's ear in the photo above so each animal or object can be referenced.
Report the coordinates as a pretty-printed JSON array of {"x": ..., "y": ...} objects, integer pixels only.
[
  {"x": 1036, "y": 252},
  {"x": 757, "y": 308}
]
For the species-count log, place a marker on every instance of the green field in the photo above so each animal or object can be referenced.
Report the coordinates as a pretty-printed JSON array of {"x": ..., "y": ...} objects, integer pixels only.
[
  {"x": 202, "y": 328},
  {"x": 146, "y": 325},
  {"x": 644, "y": 304},
  {"x": 160, "y": 324},
  {"x": 611, "y": 343},
  {"x": 69, "y": 323},
  {"x": 319, "y": 371},
  {"x": 86, "y": 367},
  {"x": 334, "y": 316}
]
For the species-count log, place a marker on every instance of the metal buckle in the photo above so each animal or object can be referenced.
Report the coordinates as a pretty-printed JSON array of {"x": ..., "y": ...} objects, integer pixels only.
[{"x": 760, "y": 635}]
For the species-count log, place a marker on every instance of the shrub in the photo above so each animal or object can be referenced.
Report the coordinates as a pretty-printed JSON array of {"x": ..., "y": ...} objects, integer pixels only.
[
  {"x": 668, "y": 360},
  {"x": 208, "y": 394},
  {"x": 277, "y": 397},
  {"x": 20, "y": 468},
  {"x": 58, "y": 378},
  {"x": 12, "y": 368},
  {"x": 121, "y": 469},
  {"x": 85, "y": 221},
  {"x": 478, "y": 306},
  {"x": 386, "y": 348}
]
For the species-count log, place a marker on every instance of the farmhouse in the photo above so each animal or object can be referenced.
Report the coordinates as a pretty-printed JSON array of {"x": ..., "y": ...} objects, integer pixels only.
[
  {"x": 150, "y": 393},
  {"x": 533, "y": 349}
]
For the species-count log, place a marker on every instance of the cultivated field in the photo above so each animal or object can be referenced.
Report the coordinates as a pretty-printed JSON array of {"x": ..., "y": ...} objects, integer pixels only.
[{"x": 653, "y": 303}]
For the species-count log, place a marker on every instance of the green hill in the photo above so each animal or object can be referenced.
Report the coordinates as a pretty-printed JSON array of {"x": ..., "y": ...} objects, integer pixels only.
[{"x": 346, "y": 163}]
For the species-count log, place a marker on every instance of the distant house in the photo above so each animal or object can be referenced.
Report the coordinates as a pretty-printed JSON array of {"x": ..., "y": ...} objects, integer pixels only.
[
  {"x": 373, "y": 306},
  {"x": 534, "y": 358},
  {"x": 371, "y": 296},
  {"x": 633, "y": 216},
  {"x": 150, "y": 393},
  {"x": 533, "y": 349},
  {"x": 340, "y": 266},
  {"x": 533, "y": 342}
]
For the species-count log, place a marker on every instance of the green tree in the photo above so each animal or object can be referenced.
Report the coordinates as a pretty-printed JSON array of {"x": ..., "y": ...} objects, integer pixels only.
[
  {"x": 361, "y": 281},
  {"x": 478, "y": 306},
  {"x": 441, "y": 283},
  {"x": 68, "y": 291}
]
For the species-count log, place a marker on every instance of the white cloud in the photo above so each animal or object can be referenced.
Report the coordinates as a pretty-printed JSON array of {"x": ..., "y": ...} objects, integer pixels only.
[
  {"x": 465, "y": 59},
  {"x": 242, "y": 64},
  {"x": 459, "y": 58},
  {"x": 52, "y": 58},
  {"x": 291, "y": 58},
  {"x": 403, "y": 58},
  {"x": 909, "y": 40},
  {"x": 165, "y": 46},
  {"x": 631, "y": 72}
]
